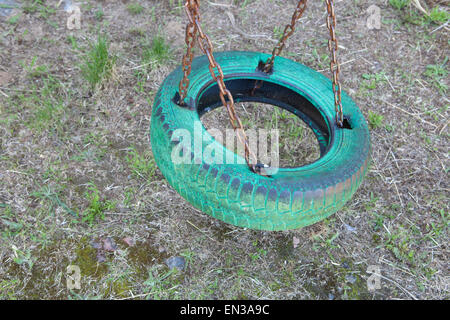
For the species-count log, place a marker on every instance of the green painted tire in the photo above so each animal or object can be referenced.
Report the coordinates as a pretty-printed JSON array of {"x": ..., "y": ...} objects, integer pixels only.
[{"x": 293, "y": 197}]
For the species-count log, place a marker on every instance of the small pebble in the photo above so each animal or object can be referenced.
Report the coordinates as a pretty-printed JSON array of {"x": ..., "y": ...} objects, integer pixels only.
[
  {"x": 100, "y": 256},
  {"x": 176, "y": 262},
  {"x": 7, "y": 6}
]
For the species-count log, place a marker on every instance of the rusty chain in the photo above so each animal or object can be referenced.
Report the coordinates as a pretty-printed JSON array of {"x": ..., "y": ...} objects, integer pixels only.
[
  {"x": 192, "y": 12},
  {"x": 191, "y": 32},
  {"x": 334, "y": 64}
]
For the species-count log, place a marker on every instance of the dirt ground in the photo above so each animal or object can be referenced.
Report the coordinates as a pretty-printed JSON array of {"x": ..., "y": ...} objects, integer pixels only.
[{"x": 79, "y": 186}]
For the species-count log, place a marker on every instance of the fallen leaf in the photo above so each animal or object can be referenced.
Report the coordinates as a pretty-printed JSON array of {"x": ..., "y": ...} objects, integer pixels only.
[
  {"x": 176, "y": 262},
  {"x": 109, "y": 245},
  {"x": 129, "y": 241},
  {"x": 349, "y": 228},
  {"x": 95, "y": 244}
]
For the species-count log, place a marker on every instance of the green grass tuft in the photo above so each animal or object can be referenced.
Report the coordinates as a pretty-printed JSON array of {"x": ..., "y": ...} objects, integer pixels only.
[
  {"x": 135, "y": 8},
  {"x": 99, "y": 14},
  {"x": 438, "y": 73},
  {"x": 143, "y": 166},
  {"x": 375, "y": 120},
  {"x": 438, "y": 16},
  {"x": 98, "y": 63},
  {"x": 399, "y": 4}
]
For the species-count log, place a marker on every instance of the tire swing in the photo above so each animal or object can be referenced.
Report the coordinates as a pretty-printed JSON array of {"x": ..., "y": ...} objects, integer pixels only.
[{"x": 245, "y": 193}]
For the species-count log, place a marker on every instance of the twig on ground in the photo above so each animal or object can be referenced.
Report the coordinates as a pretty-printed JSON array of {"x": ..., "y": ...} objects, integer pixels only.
[
  {"x": 409, "y": 113},
  {"x": 201, "y": 231},
  {"x": 396, "y": 189},
  {"x": 417, "y": 4},
  {"x": 440, "y": 27}
]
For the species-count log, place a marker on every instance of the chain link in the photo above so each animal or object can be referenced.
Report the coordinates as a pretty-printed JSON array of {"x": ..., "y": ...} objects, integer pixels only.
[
  {"x": 194, "y": 29},
  {"x": 191, "y": 33},
  {"x": 288, "y": 31}
]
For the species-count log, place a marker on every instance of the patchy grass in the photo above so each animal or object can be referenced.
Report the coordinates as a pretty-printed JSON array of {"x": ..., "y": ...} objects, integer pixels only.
[
  {"x": 298, "y": 144},
  {"x": 438, "y": 73},
  {"x": 98, "y": 63},
  {"x": 99, "y": 14},
  {"x": 135, "y": 8}
]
